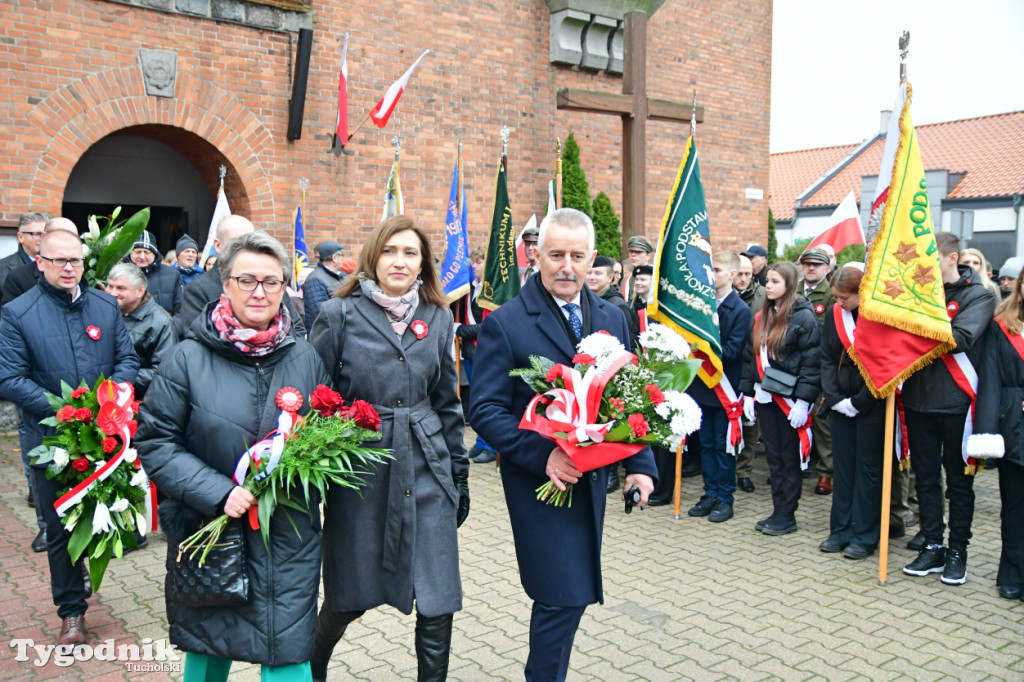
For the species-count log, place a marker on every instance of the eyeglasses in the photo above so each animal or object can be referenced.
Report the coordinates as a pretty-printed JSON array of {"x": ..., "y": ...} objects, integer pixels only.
[
  {"x": 270, "y": 286},
  {"x": 63, "y": 262},
  {"x": 34, "y": 235}
]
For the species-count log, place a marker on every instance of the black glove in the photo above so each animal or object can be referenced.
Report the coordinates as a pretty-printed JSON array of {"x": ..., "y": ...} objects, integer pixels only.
[{"x": 462, "y": 485}]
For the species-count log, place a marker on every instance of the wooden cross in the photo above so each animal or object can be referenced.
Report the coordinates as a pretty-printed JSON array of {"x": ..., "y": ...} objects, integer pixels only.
[{"x": 634, "y": 107}]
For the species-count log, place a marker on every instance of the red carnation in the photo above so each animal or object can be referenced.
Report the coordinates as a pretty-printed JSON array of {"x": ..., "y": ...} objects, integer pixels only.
[
  {"x": 66, "y": 413},
  {"x": 109, "y": 444},
  {"x": 133, "y": 426},
  {"x": 80, "y": 464},
  {"x": 325, "y": 401},
  {"x": 638, "y": 425},
  {"x": 584, "y": 359},
  {"x": 83, "y": 414},
  {"x": 79, "y": 392},
  {"x": 657, "y": 397},
  {"x": 363, "y": 414},
  {"x": 552, "y": 374}
]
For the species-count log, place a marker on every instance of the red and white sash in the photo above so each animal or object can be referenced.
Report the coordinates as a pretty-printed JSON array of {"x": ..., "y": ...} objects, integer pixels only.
[
  {"x": 786, "y": 405},
  {"x": 846, "y": 328},
  {"x": 966, "y": 378},
  {"x": 1016, "y": 340},
  {"x": 732, "y": 403}
]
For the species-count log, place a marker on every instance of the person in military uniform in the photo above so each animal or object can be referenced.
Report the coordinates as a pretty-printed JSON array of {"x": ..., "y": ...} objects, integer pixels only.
[{"x": 816, "y": 263}]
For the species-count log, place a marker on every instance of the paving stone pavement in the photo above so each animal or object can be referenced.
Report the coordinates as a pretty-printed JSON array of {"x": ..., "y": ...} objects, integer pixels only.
[{"x": 684, "y": 599}]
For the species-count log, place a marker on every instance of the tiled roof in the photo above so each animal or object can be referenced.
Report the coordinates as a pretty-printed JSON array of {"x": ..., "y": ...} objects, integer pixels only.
[
  {"x": 989, "y": 151},
  {"x": 790, "y": 173}
]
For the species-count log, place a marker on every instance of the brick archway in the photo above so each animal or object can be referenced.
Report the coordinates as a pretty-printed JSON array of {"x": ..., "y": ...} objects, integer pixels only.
[{"x": 80, "y": 114}]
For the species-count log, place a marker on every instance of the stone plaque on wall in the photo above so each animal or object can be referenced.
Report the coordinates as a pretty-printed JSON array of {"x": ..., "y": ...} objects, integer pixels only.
[{"x": 159, "y": 71}]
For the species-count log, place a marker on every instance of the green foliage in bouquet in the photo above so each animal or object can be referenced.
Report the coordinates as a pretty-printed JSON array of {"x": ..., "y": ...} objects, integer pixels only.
[{"x": 109, "y": 240}]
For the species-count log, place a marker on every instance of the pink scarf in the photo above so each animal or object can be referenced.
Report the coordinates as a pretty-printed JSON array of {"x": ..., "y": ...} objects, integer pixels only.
[
  {"x": 251, "y": 342},
  {"x": 399, "y": 309}
]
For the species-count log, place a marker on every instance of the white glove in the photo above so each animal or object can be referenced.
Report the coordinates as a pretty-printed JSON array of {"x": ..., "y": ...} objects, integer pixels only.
[
  {"x": 845, "y": 407},
  {"x": 748, "y": 409},
  {"x": 798, "y": 415}
]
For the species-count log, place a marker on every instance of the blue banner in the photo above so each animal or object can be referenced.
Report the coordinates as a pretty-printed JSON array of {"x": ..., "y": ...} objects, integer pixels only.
[
  {"x": 301, "y": 255},
  {"x": 456, "y": 270}
]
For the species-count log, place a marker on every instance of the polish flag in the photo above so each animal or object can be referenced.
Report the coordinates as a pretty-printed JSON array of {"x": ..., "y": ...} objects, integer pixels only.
[
  {"x": 382, "y": 112},
  {"x": 846, "y": 229},
  {"x": 341, "y": 124}
]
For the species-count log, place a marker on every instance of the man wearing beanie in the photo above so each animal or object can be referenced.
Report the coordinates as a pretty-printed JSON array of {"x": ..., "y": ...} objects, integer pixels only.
[
  {"x": 324, "y": 280},
  {"x": 188, "y": 255},
  {"x": 164, "y": 281}
]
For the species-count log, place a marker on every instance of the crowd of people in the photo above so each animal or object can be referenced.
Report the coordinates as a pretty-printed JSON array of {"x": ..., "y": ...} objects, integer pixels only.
[{"x": 207, "y": 346}]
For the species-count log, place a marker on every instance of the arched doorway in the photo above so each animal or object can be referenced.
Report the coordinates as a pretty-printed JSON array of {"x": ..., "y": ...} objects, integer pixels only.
[{"x": 171, "y": 170}]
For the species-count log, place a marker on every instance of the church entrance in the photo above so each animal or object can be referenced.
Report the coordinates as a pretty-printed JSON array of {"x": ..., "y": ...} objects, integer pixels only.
[{"x": 171, "y": 170}]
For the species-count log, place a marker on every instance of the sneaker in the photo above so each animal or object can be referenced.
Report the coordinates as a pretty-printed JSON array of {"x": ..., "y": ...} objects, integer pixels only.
[
  {"x": 932, "y": 559},
  {"x": 955, "y": 571},
  {"x": 721, "y": 512},
  {"x": 704, "y": 507}
]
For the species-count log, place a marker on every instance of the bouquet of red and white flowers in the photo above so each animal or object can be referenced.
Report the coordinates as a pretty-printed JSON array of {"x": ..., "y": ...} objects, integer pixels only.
[
  {"x": 103, "y": 492},
  {"x": 303, "y": 454},
  {"x": 612, "y": 403}
]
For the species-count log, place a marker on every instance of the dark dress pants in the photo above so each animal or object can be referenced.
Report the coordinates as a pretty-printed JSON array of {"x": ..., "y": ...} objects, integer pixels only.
[
  {"x": 718, "y": 466},
  {"x": 28, "y": 438},
  {"x": 857, "y": 450},
  {"x": 936, "y": 443},
  {"x": 1011, "y": 494},
  {"x": 782, "y": 450},
  {"x": 552, "y": 630},
  {"x": 66, "y": 581}
]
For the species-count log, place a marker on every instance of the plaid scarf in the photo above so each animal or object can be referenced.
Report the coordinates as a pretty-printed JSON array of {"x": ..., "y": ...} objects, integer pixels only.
[
  {"x": 399, "y": 309},
  {"x": 251, "y": 342}
]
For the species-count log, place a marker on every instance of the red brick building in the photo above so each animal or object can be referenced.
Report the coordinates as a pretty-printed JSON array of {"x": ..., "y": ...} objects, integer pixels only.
[{"x": 79, "y": 129}]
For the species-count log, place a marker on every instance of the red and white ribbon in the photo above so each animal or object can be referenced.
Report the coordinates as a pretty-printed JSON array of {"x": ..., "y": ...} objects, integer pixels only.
[
  {"x": 731, "y": 402},
  {"x": 121, "y": 402},
  {"x": 787, "y": 405},
  {"x": 966, "y": 378},
  {"x": 272, "y": 447}
]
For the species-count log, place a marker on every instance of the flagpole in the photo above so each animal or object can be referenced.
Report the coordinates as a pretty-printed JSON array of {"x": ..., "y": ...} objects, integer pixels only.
[
  {"x": 883, "y": 541},
  {"x": 504, "y": 149},
  {"x": 558, "y": 173},
  {"x": 361, "y": 124},
  {"x": 677, "y": 488}
]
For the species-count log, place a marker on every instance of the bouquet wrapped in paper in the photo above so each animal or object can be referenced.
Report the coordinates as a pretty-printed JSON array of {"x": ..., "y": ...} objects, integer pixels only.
[
  {"x": 303, "y": 454},
  {"x": 612, "y": 403},
  {"x": 102, "y": 494}
]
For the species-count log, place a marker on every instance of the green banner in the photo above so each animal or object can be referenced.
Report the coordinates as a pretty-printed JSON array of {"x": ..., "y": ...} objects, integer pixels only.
[
  {"x": 501, "y": 270},
  {"x": 684, "y": 291}
]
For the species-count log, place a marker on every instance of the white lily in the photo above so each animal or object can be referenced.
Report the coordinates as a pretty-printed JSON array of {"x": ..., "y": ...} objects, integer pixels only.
[
  {"x": 101, "y": 521},
  {"x": 140, "y": 523},
  {"x": 119, "y": 506},
  {"x": 94, "y": 227}
]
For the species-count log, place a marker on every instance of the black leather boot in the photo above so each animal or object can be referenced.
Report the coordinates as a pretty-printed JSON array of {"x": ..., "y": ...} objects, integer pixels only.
[
  {"x": 330, "y": 626},
  {"x": 433, "y": 645}
]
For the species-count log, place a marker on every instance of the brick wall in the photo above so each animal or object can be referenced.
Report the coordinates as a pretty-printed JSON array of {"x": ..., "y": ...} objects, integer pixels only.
[{"x": 69, "y": 76}]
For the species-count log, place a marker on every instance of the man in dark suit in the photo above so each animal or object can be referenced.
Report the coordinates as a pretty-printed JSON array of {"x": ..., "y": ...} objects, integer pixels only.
[{"x": 558, "y": 548}]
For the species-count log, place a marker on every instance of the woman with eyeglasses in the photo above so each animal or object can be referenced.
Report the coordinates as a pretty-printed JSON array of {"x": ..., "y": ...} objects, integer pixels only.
[
  {"x": 386, "y": 337},
  {"x": 212, "y": 398}
]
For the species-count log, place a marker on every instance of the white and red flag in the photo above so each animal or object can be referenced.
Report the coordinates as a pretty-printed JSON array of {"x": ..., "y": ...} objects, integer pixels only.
[
  {"x": 341, "y": 124},
  {"x": 892, "y": 137},
  {"x": 384, "y": 108},
  {"x": 846, "y": 229}
]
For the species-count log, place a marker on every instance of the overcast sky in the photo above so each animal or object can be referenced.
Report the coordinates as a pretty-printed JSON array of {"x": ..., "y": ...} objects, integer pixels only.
[{"x": 835, "y": 65}]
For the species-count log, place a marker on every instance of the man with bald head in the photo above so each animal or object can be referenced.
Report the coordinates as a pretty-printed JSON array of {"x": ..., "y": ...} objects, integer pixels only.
[
  {"x": 208, "y": 286},
  {"x": 23, "y": 278},
  {"x": 44, "y": 341}
]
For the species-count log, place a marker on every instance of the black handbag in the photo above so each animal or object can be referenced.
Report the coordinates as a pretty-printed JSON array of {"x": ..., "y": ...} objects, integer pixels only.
[
  {"x": 778, "y": 382},
  {"x": 223, "y": 579}
]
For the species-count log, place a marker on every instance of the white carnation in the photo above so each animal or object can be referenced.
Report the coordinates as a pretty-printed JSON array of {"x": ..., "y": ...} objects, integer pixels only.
[
  {"x": 61, "y": 457},
  {"x": 139, "y": 480},
  {"x": 85, "y": 249},
  {"x": 660, "y": 339},
  {"x": 600, "y": 346},
  {"x": 130, "y": 455},
  {"x": 119, "y": 506},
  {"x": 686, "y": 415}
]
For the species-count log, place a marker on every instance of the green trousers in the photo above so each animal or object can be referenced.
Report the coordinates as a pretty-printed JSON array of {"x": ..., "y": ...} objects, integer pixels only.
[{"x": 201, "y": 668}]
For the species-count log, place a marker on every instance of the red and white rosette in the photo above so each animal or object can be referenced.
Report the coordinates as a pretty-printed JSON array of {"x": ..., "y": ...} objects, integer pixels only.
[
  {"x": 115, "y": 412},
  {"x": 569, "y": 413}
]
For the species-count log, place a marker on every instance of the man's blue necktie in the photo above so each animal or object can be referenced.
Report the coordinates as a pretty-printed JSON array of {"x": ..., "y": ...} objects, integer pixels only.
[{"x": 574, "y": 320}]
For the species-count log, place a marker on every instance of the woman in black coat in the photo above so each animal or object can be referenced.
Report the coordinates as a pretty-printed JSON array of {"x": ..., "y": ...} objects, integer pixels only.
[
  {"x": 999, "y": 430},
  {"x": 387, "y": 338},
  {"x": 786, "y": 344},
  {"x": 212, "y": 398},
  {"x": 858, "y": 428}
]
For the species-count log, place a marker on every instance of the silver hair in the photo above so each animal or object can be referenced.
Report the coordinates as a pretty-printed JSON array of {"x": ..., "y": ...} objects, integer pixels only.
[
  {"x": 255, "y": 242},
  {"x": 567, "y": 217},
  {"x": 27, "y": 218},
  {"x": 130, "y": 271}
]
